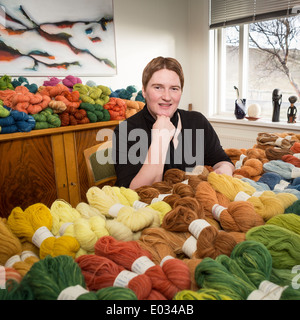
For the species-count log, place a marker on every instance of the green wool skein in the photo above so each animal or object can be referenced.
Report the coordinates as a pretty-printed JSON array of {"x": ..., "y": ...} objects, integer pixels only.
[
  {"x": 282, "y": 244},
  {"x": 294, "y": 208},
  {"x": 288, "y": 221},
  {"x": 256, "y": 262},
  {"x": 211, "y": 274},
  {"x": 51, "y": 275},
  {"x": 201, "y": 294},
  {"x": 110, "y": 293}
]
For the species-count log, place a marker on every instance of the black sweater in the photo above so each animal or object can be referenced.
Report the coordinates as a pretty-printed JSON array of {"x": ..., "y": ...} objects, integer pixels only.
[{"x": 198, "y": 144}]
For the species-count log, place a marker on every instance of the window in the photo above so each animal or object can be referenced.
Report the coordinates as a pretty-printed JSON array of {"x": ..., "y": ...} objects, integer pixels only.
[{"x": 259, "y": 56}]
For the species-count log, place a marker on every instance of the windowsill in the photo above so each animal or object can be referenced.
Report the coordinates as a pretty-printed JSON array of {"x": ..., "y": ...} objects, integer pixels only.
[{"x": 258, "y": 123}]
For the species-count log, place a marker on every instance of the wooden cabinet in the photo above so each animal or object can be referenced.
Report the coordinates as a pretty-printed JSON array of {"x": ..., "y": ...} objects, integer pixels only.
[{"x": 45, "y": 165}]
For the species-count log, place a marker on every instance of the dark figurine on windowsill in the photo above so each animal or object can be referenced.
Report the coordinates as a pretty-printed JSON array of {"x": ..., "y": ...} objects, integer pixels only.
[
  {"x": 292, "y": 110},
  {"x": 276, "y": 100}
]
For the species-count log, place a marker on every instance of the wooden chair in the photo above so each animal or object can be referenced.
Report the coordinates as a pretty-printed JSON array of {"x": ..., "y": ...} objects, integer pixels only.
[{"x": 100, "y": 167}]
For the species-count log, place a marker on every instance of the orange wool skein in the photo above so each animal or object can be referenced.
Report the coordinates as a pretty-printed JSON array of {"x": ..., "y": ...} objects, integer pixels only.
[
  {"x": 252, "y": 169},
  {"x": 34, "y": 225},
  {"x": 100, "y": 272},
  {"x": 295, "y": 148},
  {"x": 239, "y": 216},
  {"x": 291, "y": 159},
  {"x": 126, "y": 255}
]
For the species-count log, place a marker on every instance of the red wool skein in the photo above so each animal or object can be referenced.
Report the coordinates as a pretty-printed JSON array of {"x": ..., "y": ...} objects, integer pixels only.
[
  {"x": 126, "y": 253},
  {"x": 100, "y": 272}
]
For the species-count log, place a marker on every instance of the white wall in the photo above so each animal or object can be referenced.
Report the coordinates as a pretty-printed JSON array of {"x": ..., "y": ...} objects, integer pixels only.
[{"x": 145, "y": 29}]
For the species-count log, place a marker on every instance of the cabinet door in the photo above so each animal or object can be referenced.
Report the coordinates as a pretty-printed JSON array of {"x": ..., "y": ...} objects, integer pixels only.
[{"x": 27, "y": 173}]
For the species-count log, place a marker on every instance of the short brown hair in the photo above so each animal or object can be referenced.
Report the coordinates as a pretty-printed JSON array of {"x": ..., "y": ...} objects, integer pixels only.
[{"x": 159, "y": 63}]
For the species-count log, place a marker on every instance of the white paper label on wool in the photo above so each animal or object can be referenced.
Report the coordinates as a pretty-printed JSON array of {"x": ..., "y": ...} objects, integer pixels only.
[
  {"x": 114, "y": 209},
  {"x": 267, "y": 291},
  {"x": 217, "y": 210},
  {"x": 295, "y": 173},
  {"x": 241, "y": 196},
  {"x": 139, "y": 204},
  {"x": 40, "y": 235},
  {"x": 189, "y": 246},
  {"x": 297, "y": 155},
  {"x": 123, "y": 278},
  {"x": 2, "y": 277},
  {"x": 239, "y": 163},
  {"x": 27, "y": 254},
  {"x": 141, "y": 265},
  {"x": 165, "y": 259},
  {"x": 278, "y": 142},
  {"x": 160, "y": 197},
  {"x": 274, "y": 291},
  {"x": 196, "y": 227},
  {"x": 72, "y": 293},
  {"x": 281, "y": 185},
  {"x": 12, "y": 260}
]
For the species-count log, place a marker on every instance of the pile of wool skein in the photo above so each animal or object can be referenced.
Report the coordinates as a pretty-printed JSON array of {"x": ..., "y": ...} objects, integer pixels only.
[{"x": 194, "y": 236}]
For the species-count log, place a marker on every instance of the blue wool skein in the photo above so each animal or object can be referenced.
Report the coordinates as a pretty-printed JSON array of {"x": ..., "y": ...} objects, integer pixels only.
[
  {"x": 271, "y": 179},
  {"x": 278, "y": 166}
]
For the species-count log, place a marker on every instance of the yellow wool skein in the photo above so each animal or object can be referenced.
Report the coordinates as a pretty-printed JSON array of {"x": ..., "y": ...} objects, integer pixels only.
[
  {"x": 139, "y": 219},
  {"x": 118, "y": 230},
  {"x": 116, "y": 194},
  {"x": 100, "y": 200},
  {"x": 287, "y": 199},
  {"x": 88, "y": 231},
  {"x": 34, "y": 225},
  {"x": 132, "y": 196},
  {"x": 87, "y": 211},
  {"x": 62, "y": 212},
  {"x": 229, "y": 186}
]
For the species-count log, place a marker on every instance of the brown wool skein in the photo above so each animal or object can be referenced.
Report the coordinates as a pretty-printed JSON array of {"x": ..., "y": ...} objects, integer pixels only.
[
  {"x": 174, "y": 175},
  {"x": 255, "y": 153},
  {"x": 276, "y": 153},
  {"x": 184, "y": 190},
  {"x": 171, "y": 199},
  {"x": 237, "y": 216},
  {"x": 163, "y": 187},
  {"x": 147, "y": 193},
  {"x": 179, "y": 219},
  {"x": 211, "y": 242},
  {"x": 160, "y": 243}
]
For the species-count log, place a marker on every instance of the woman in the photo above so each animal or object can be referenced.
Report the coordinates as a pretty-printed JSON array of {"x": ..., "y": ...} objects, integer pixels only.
[{"x": 161, "y": 136}]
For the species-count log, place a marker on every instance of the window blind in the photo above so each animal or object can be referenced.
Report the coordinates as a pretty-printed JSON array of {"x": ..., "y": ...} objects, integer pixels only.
[{"x": 233, "y": 12}]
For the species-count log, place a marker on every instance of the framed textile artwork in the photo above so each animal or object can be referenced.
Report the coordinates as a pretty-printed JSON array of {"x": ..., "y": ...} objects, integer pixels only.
[{"x": 57, "y": 38}]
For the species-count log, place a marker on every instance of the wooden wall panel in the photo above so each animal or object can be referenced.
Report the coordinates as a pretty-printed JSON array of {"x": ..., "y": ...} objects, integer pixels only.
[{"x": 27, "y": 173}]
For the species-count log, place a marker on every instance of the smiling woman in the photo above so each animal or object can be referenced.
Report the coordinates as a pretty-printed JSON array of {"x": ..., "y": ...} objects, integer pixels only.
[{"x": 161, "y": 136}]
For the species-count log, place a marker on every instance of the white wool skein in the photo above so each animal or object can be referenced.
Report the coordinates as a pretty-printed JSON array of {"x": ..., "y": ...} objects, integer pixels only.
[{"x": 254, "y": 110}]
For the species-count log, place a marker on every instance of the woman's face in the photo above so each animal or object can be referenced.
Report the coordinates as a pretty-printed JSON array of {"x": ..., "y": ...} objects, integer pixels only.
[{"x": 163, "y": 93}]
